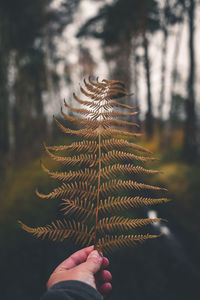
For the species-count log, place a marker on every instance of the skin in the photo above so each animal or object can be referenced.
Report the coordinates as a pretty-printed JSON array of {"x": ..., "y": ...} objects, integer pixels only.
[{"x": 85, "y": 265}]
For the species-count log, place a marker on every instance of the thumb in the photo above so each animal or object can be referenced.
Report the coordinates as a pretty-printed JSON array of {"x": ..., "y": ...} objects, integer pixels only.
[{"x": 93, "y": 262}]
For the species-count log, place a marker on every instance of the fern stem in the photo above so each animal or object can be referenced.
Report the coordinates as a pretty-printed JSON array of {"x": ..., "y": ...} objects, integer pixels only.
[{"x": 98, "y": 194}]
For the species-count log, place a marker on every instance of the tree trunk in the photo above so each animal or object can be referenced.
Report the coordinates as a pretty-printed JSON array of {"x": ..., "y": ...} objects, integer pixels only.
[
  {"x": 174, "y": 79},
  {"x": 174, "y": 75},
  {"x": 135, "y": 81},
  {"x": 4, "y": 138},
  {"x": 190, "y": 139},
  {"x": 149, "y": 117},
  {"x": 163, "y": 73},
  {"x": 4, "y": 106}
]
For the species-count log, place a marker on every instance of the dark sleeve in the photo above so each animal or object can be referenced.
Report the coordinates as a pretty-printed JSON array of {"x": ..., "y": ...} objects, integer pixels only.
[{"x": 71, "y": 290}]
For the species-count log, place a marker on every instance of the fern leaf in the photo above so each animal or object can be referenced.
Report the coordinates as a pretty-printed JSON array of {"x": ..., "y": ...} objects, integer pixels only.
[
  {"x": 113, "y": 156},
  {"x": 96, "y": 95},
  {"x": 116, "y": 186},
  {"x": 112, "y": 204},
  {"x": 85, "y": 122},
  {"x": 100, "y": 94},
  {"x": 112, "y": 144},
  {"x": 87, "y": 133},
  {"x": 80, "y": 189},
  {"x": 86, "y": 160},
  {"x": 114, "y": 114},
  {"x": 97, "y": 105},
  {"x": 105, "y": 83},
  {"x": 80, "y": 147},
  {"x": 118, "y": 224},
  {"x": 109, "y": 122},
  {"x": 80, "y": 208},
  {"x": 109, "y": 243},
  {"x": 60, "y": 230},
  {"x": 118, "y": 83},
  {"x": 82, "y": 111},
  {"x": 113, "y": 132},
  {"x": 88, "y": 174},
  {"x": 97, "y": 83},
  {"x": 127, "y": 169},
  {"x": 92, "y": 188}
]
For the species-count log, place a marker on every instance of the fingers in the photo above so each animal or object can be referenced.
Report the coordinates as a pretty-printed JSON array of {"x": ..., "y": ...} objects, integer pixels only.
[
  {"x": 104, "y": 276},
  {"x": 103, "y": 279},
  {"x": 76, "y": 258},
  {"x": 105, "y": 288},
  {"x": 93, "y": 262},
  {"x": 105, "y": 263}
]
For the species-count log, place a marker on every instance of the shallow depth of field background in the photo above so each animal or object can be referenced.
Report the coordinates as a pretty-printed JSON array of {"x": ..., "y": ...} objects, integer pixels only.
[{"x": 46, "y": 49}]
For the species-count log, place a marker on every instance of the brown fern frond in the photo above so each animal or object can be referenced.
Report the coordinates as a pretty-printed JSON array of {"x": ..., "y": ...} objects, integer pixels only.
[
  {"x": 117, "y": 83},
  {"x": 96, "y": 95},
  {"x": 114, "y": 156},
  {"x": 110, "y": 132},
  {"x": 108, "y": 85},
  {"x": 94, "y": 87},
  {"x": 114, "y": 114},
  {"x": 94, "y": 124},
  {"x": 87, "y": 160},
  {"x": 100, "y": 94},
  {"x": 80, "y": 208},
  {"x": 108, "y": 244},
  {"x": 86, "y": 133},
  {"x": 113, "y": 122},
  {"x": 79, "y": 121},
  {"x": 116, "y": 186},
  {"x": 128, "y": 169},
  {"x": 88, "y": 174},
  {"x": 112, "y": 144},
  {"x": 88, "y": 122},
  {"x": 101, "y": 176},
  {"x": 93, "y": 134},
  {"x": 105, "y": 83},
  {"x": 61, "y": 230},
  {"x": 112, "y": 204},
  {"x": 82, "y": 111},
  {"x": 94, "y": 114},
  {"x": 82, "y": 147},
  {"x": 119, "y": 224},
  {"x": 97, "y": 106},
  {"x": 97, "y": 83},
  {"x": 81, "y": 189}
]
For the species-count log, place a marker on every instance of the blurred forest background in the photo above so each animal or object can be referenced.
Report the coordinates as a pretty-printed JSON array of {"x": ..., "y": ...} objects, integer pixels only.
[{"x": 46, "y": 48}]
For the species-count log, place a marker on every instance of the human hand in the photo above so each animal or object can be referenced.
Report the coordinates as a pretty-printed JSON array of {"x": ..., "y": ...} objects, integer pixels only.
[{"x": 85, "y": 265}]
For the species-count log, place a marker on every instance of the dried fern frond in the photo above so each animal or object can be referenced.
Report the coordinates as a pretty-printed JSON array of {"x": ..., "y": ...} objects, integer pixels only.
[
  {"x": 88, "y": 174},
  {"x": 112, "y": 144},
  {"x": 80, "y": 208},
  {"x": 58, "y": 231},
  {"x": 108, "y": 244},
  {"x": 118, "y": 223},
  {"x": 124, "y": 169},
  {"x": 80, "y": 147},
  {"x": 98, "y": 184},
  {"x": 119, "y": 204}
]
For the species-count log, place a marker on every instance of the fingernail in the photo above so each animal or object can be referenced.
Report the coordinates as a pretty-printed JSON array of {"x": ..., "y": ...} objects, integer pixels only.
[{"x": 94, "y": 254}]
